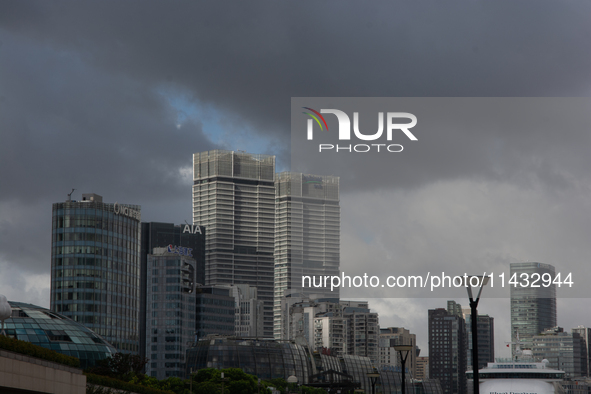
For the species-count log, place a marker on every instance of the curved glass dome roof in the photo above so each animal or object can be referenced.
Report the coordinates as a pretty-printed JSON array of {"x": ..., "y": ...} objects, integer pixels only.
[{"x": 53, "y": 331}]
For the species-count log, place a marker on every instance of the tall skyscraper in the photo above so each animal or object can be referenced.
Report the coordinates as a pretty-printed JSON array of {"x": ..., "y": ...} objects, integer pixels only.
[
  {"x": 533, "y": 309},
  {"x": 234, "y": 198},
  {"x": 307, "y": 235},
  {"x": 585, "y": 334},
  {"x": 447, "y": 348},
  {"x": 486, "y": 338},
  {"x": 392, "y": 336},
  {"x": 95, "y": 267},
  {"x": 163, "y": 235},
  {"x": 170, "y": 310}
]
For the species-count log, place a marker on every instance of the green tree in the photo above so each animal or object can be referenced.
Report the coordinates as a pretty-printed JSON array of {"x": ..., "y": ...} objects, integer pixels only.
[
  {"x": 120, "y": 366},
  {"x": 236, "y": 381},
  {"x": 206, "y": 388}
]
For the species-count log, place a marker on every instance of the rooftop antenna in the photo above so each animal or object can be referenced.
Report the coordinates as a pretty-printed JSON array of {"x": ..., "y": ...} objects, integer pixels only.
[{"x": 70, "y": 195}]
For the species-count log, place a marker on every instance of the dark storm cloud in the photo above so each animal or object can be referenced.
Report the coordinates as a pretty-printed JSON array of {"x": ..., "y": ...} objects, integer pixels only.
[
  {"x": 66, "y": 124},
  {"x": 526, "y": 141},
  {"x": 250, "y": 58}
]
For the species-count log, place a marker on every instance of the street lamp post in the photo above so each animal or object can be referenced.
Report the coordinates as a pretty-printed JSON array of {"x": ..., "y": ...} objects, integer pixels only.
[
  {"x": 292, "y": 380},
  {"x": 373, "y": 378},
  {"x": 480, "y": 283},
  {"x": 223, "y": 381},
  {"x": 406, "y": 349}
]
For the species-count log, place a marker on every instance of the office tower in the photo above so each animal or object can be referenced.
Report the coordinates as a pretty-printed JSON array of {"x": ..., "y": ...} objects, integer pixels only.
[
  {"x": 422, "y": 368},
  {"x": 585, "y": 334},
  {"x": 170, "y": 310},
  {"x": 564, "y": 351},
  {"x": 234, "y": 198},
  {"x": 486, "y": 338},
  {"x": 215, "y": 311},
  {"x": 248, "y": 311},
  {"x": 533, "y": 309},
  {"x": 307, "y": 236},
  {"x": 95, "y": 267},
  {"x": 163, "y": 235},
  {"x": 447, "y": 349},
  {"x": 392, "y": 336}
]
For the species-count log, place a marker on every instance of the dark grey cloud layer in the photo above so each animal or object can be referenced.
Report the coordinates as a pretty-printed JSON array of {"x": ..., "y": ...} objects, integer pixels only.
[
  {"x": 525, "y": 141},
  {"x": 249, "y": 59}
]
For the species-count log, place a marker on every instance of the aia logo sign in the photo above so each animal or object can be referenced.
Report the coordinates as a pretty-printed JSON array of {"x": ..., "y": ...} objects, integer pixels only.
[{"x": 396, "y": 122}]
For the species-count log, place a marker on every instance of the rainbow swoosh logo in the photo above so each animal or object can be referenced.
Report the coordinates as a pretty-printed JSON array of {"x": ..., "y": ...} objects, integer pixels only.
[{"x": 315, "y": 116}]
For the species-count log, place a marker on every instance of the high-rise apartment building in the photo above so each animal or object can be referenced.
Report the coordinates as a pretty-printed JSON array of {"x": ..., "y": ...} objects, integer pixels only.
[
  {"x": 533, "y": 309},
  {"x": 447, "y": 349},
  {"x": 234, "y": 198},
  {"x": 170, "y": 310},
  {"x": 334, "y": 326},
  {"x": 95, "y": 267},
  {"x": 330, "y": 333},
  {"x": 307, "y": 236},
  {"x": 299, "y": 314},
  {"x": 393, "y": 336},
  {"x": 186, "y": 238},
  {"x": 363, "y": 329}
]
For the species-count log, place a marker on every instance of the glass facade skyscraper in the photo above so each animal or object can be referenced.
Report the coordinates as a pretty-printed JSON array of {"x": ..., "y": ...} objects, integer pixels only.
[
  {"x": 447, "y": 348},
  {"x": 170, "y": 310},
  {"x": 533, "y": 309},
  {"x": 307, "y": 236},
  {"x": 95, "y": 267},
  {"x": 161, "y": 235},
  {"x": 234, "y": 198}
]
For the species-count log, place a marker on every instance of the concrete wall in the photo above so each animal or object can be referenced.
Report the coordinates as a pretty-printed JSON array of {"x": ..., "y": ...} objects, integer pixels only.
[{"x": 23, "y": 374}]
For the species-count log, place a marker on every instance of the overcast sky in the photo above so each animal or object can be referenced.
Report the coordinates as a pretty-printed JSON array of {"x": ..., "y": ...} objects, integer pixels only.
[{"x": 114, "y": 98}]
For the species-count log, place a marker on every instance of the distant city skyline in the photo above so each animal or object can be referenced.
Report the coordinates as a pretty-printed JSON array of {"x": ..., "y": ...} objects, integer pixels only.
[{"x": 99, "y": 97}]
